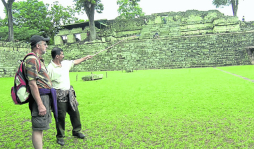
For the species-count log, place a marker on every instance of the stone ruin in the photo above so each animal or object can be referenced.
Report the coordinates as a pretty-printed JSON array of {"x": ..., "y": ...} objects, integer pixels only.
[
  {"x": 92, "y": 77},
  {"x": 167, "y": 25},
  {"x": 186, "y": 40}
]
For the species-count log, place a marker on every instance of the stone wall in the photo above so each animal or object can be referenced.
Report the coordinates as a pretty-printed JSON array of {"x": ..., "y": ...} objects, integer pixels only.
[
  {"x": 10, "y": 53},
  {"x": 187, "y": 39},
  {"x": 176, "y": 52}
]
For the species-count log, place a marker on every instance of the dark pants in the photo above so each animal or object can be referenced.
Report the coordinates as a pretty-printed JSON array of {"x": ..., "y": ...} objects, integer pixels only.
[{"x": 64, "y": 107}]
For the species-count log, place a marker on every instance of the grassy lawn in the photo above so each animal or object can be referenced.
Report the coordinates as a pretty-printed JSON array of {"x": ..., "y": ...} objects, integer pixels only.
[
  {"x": 177, "y": 108},
  {"x": 245, "y": 71}
]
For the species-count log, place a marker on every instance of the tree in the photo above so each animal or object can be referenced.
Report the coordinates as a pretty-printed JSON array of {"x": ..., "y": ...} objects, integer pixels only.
[
  {"x": 1, "y": 22},
  {"x": 90, "y": 6},
  {"x": 234, "y": 3},
  {"x": 30, "y": 17},
  {"x": 34, "y": 17},
  {"x": 3, "y": 29},
  {"x": 8, "y": 7},
  {"x": 60, "y": 15},
  {"x": 129, "y": 9}
]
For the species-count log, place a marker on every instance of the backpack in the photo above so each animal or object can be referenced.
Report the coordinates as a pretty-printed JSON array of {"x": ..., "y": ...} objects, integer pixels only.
[{"x": 20, "y": 92}]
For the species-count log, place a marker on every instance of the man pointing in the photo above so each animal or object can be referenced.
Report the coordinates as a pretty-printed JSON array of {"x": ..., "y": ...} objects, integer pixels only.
[{"x": 58, "y": 71}]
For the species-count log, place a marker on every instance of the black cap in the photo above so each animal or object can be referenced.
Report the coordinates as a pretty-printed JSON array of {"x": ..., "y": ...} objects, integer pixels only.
[{"x": 36, "y": 38}]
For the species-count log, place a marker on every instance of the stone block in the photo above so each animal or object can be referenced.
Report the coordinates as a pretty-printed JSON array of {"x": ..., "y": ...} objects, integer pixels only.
[
  {"x": 233, "y": 28},
  {"x": 83, "y": 36},
  {"x": 219, "y": 29},
  {"x": 127, "y": 33},
  {"x": 228, "y": 28},
  {"x": 103, "y": 39},
  {"x": 177, "y": 18},
  {"x": 92, "y": 77},
  {"x": 192, "y": 19},
  {"x": 226, "y": 21},
  {"x": 58, "y": 40},
  {"x": 64, "y": 32},
  {"x": 158, "y": 20},
  {"x": 76, "y": 30},
  {"x": 71, "y": 38},
  {"x": 110, "y": 39},
  {"x": 196, "y": 27},
  {"x": 170, "y": 19}
]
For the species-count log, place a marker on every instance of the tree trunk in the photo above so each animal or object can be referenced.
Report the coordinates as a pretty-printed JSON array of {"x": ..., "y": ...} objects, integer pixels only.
[
  {"x": 92, "y": 27},
  {"x": 8, "y": 7},
  {"x": 234, "y": 6},
  {"x": 89, "y": 8},
  {"x": 10, "y": 23}
]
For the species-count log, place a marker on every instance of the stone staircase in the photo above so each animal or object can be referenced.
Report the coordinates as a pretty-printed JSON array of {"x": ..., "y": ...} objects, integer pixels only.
[
  {"x": 164, "y": 30},
  {"x": 7, "y": 71}
]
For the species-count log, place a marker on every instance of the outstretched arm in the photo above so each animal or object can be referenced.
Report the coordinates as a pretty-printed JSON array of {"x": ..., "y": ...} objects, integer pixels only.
[{"x": 78, "y": 61}]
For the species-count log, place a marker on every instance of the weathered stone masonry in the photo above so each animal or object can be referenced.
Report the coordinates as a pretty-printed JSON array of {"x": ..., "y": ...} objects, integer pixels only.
[
  {"x": 177, "y": 52},
  {"x": 181, "y": 48}
]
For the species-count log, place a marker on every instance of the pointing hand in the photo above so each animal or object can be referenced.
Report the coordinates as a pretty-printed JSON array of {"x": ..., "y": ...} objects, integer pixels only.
[{"x": 88, "y": 57}]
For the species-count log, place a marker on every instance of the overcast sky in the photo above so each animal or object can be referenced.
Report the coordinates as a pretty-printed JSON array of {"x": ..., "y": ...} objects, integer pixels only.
[{"x": 157, "y": 6}]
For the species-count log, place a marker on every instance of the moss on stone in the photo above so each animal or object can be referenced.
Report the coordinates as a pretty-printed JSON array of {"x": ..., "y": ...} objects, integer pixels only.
[
  {"x": 192, "y": 20},
  {"x": 83, "y": 36},
  {"x": 226, "y": 21},
  {"x": 158, "y": 20},
  {"x": 64, "y": 32},
  {"x": 58, "y": 40},
  {"x": 92, "y": 77},
  {"x": 196, "y": 27},
  {"x": 71, "y": 38},
  {"x": 76, "y": 30}
]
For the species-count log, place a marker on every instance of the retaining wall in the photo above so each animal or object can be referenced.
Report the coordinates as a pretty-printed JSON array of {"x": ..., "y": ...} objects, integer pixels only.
[{"x": 163, "y": 53}]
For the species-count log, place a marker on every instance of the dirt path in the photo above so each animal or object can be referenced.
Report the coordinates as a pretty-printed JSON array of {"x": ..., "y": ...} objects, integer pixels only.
[{"x": 234, "y": 74}]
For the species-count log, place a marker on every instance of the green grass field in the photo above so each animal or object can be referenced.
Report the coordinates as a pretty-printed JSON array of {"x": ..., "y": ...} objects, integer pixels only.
[{"x": 176, "y": 108}]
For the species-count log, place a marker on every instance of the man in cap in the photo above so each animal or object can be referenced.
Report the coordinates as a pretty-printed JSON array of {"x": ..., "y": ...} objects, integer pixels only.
[
  {"x": 41, "y": 87},
  {"x": 66, "y": 102}
]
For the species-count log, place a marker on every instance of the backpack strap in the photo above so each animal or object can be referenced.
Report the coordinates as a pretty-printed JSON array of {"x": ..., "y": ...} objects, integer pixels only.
[{"x": 36, "y": 58}]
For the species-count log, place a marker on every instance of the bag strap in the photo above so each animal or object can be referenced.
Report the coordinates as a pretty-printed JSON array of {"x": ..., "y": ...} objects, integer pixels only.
[{"x": 36, "y": 58}]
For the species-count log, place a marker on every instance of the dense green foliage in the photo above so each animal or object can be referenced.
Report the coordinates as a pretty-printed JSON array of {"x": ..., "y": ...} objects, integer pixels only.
[
  {"x": 34, "y": 17},
  {"x": 233, "y": 3},
  {"x": 85, "y": 4},
  {"x": 60, "y": 15},
  {"x": 129, "y": 9},
  {"x": 3, "y": 29},
  {"x": 29, "y": 18},
  {"x": 174, "y": 108}
]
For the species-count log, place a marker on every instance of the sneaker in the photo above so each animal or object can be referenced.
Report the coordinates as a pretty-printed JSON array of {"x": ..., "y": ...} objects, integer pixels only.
[
  {"x": 79, "y": 135},
  {"x": 60, "y": 141}
]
